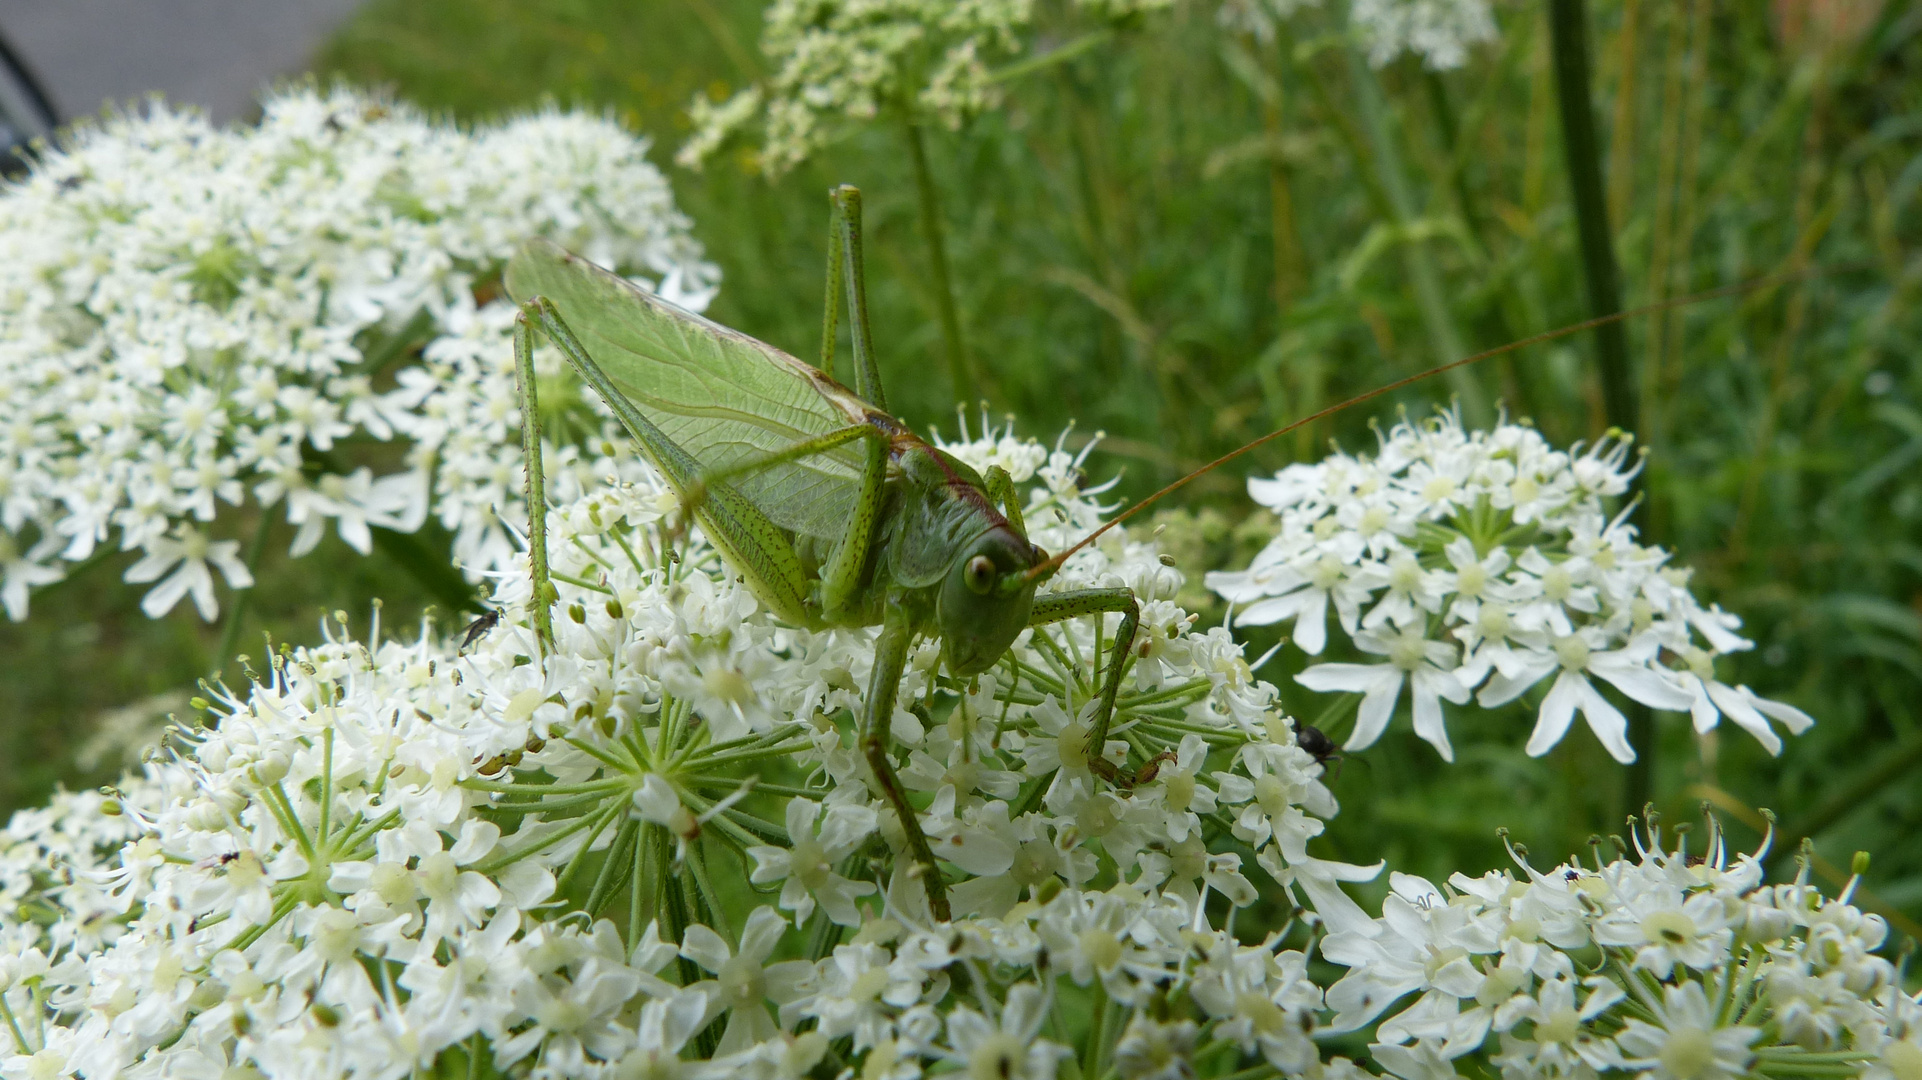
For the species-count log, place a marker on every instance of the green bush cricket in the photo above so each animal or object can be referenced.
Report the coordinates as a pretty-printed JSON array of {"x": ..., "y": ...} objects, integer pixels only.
[{"x": 832, "y": 511}]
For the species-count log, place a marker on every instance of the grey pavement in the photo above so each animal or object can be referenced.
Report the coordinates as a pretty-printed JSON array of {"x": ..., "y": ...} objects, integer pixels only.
[{"x": 217, "y": 54}]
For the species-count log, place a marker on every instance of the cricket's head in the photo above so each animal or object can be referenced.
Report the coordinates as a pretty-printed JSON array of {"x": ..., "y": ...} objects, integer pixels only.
[{"x": 985, "y": 599}]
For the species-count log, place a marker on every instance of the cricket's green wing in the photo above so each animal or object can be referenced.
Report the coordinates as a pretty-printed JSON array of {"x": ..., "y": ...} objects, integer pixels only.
[{"x": 718, "y": 394}]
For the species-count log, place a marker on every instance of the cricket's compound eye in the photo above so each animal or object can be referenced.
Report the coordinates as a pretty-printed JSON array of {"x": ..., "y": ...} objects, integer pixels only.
[{"x": 980, "y": 573}]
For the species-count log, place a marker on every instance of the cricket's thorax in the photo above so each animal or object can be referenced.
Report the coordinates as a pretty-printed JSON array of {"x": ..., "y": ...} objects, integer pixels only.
[{"x": 936, "y": 524}]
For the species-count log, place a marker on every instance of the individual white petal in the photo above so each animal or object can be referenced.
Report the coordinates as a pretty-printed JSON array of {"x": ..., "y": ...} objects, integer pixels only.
[
  {"x": 801, "y": 814},
  {"x": 1348, "y": 678},
  {"x": 1745, "y": 716},
  {"x": 1607, "y": 722},
  {"x": 796, "y": 898},
  {"x": 1429, "y": 724},
  {"x": 477, "y": 838},
  {"x": 770, "y": 863},
  {"x": 1377, "y": 708},
  {"x": 311, "y": 530},
  {"x": 162, "y": 597},
  {"x": 1640, "y": 682},
  {"x": 225, "y": 555},
  {"x": 762, "y": 933},
  {"x": 353, "y": 529},
  {"x": 845, "y": 827},
  {"x": 1789, "y": 716},
  {"x": 707, "y": 948},
  {"x": 1701, "y": 709},
  {"x": 200, "y": 581},
  {"x": 1558, "y": 710},
  {"x": 1311, "y": 625},
  {"x": 1530, "y": 668}
]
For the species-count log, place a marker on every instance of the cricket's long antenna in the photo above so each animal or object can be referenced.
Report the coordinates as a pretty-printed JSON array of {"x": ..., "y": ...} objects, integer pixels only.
[{"x": 1046, "y": 569}]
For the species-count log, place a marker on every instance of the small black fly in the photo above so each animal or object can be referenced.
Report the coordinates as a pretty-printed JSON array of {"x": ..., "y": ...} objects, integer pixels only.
[
  {"x": 1319, "y": 746},
  {"x": 479, "y": 628}
]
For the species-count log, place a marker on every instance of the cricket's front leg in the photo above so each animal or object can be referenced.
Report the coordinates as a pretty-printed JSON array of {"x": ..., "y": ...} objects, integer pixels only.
[
  {"x": 542, "y": 602},
  {"x": 1054, "y": 607},
  {"x": 890, "y": 656}
]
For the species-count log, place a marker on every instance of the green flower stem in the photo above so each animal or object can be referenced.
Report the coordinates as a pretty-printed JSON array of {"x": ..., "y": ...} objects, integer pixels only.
[
  {"x": 1568, "y": 37},
  {"x": 1098, "y": 1036},
  {"x": 638, "y": 897},
  {"x": 1818, "y": 1057},
  {"x": 508, "y": 858},
  {"x": 632, "y": 559},
  {"x": 326, "y": 785},
  {"x": 1422, "y": 274},
  {"x": 697, "y": 865},
  {"x": 230, "y": 633},
  {"x": 1179, "y": 694},
  {"x": 1568, "y": 33},
  {"x": 283, "y": 810},
  {"x": 1087, "y": 42},
  {"x": 715, "y": 780},
  {"x": 580, "y": 582},
  {"x": 962, "y": 375},
  {"x": 779, "y": 750},
  {"x": 13, "y": 1025},
  {"x": 596, "y": 753},
  {"x": 613, "y": 867},
  {"x": 284, "y": 905},
  {"x": 1065, "y": 668},
  {"x": 601, "y": 786},
  {"x": 592, "y": 555},
  {"x": 550, "y": 806},
  {"x": 595, "y": 824},
  {"x": 361, "y": 834},
  {"x": 1174, "y": 730},
  {"x": 824, "y": 933}
]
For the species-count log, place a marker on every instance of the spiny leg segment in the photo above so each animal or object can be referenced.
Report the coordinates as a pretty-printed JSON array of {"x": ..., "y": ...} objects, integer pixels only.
[{"x": 1055, "y": 607}]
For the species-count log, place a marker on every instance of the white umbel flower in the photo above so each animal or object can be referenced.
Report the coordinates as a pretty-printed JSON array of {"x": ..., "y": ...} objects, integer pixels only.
[
  {"x": 1488, "y": 560},
  {"x": 199, "y": 317}
]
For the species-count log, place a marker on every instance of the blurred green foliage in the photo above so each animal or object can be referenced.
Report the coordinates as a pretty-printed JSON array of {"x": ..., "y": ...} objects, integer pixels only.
[{"x": 1182, "y": 239}]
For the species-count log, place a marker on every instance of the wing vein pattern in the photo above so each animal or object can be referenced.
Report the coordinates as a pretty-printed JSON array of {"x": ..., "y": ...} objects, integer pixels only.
[{"x": 720, "y": 395}]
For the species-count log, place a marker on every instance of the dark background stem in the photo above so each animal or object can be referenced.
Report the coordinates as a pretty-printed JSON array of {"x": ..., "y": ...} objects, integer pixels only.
[{"x": 1568, "y": 35}]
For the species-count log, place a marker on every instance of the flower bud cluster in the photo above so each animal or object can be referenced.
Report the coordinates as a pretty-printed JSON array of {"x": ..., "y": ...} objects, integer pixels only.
[
  {"x": 195, "y": 319},
  {"x": 840, "y": 61},
  {"x": 1489, "y": 560}
]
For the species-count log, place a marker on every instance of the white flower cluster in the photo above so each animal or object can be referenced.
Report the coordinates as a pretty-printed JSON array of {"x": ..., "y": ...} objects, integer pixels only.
[
  {"x": 1665, "y": 965},
  {"x": 658, "y": 854},
  {"x": 1488, "y": 559},
  {"x": 851, "y": 60},
  {"x": 192, "y": 317},
  {"x": 1439, "y": 31}
]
